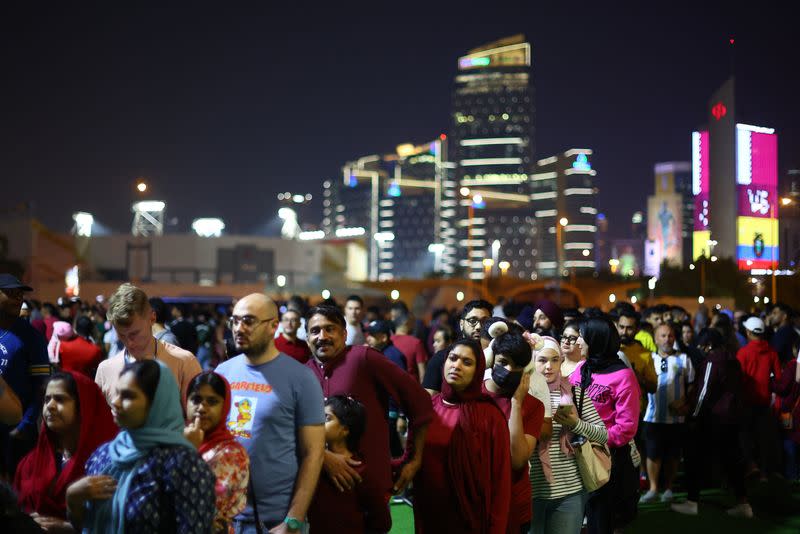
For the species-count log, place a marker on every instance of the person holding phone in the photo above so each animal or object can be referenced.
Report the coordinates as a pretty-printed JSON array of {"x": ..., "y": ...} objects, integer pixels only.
[{"x": 559, "y": 497}]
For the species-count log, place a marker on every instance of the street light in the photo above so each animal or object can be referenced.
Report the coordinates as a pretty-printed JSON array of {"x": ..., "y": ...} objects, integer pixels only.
[
  {"x": 562, "y": 222},
  {"x": 504, "y": 265},
  {"x": 142, "y": 187}
]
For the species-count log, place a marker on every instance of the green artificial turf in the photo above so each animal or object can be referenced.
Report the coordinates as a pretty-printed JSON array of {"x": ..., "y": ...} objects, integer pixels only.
[{"x": 776, "y": 505}]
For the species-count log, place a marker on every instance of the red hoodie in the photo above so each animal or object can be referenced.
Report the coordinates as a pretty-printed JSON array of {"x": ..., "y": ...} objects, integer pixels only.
[{"x": 758, "y": 360}]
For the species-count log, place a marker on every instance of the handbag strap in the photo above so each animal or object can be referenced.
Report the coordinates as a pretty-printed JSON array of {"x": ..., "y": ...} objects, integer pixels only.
[
  {"x": 580, "y": 401},
  {"x": 252, "y": 492}
]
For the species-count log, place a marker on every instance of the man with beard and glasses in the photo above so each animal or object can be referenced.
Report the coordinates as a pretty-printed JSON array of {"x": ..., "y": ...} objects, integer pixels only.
[
  {"x": 371, "y": 378},
  {"x": 473, "y": 316},
  {"x": 277, "y": 414},
  {"x": 639, "y": 358}
]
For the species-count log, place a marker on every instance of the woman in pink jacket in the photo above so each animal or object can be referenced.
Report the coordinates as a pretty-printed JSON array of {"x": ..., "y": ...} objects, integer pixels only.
[{"x": 614, "y": 391}]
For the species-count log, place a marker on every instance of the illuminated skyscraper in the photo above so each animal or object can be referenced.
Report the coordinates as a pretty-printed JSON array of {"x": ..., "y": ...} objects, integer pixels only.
[
  {"x": 564, "y": 203},
  {"x": 492, "y": 145},
  {"x": 735, "y": 185},
  {"x": 404, "y": 206}
]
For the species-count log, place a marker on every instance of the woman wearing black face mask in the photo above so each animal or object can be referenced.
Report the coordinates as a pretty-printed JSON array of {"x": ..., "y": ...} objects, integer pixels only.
[{"x": 508, "y": 386}]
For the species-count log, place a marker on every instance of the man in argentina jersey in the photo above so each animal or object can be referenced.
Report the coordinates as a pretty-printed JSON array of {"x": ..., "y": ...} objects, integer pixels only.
[{"x": 665, "y": 413}]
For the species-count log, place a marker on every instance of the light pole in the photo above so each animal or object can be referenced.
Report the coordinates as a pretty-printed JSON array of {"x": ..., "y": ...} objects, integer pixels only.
[
  {"x": 488, "y": 263},
  {"x": 504, "y": 265},
  {"x": 562, "y": 223}
]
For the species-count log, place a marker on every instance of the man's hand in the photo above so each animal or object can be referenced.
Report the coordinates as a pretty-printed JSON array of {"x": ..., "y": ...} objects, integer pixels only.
[
  {"x": 402, "y": 426},
  {"x": 522, "y": 389},
  {"x": 340, "y": 470},
  {"x": 406, "y": 475}
]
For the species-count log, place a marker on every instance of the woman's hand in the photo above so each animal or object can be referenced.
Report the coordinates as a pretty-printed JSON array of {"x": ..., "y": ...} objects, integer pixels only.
[
  {"x": 54, "y": 525},
  {"x": 567, "y": 418},
  {"x": 92, "y": 488},
  {"x": 193, "y": 433}
]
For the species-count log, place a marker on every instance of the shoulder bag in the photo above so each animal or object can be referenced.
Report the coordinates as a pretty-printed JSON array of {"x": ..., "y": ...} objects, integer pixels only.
[{"x": 594, "y": 459}]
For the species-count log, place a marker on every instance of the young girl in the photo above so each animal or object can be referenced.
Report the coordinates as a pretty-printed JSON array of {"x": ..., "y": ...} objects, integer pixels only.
[{"x": 343, "y": 511}]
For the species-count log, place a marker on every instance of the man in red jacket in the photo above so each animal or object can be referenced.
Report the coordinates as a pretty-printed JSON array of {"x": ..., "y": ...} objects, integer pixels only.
[{"x": 760, "y": 365}]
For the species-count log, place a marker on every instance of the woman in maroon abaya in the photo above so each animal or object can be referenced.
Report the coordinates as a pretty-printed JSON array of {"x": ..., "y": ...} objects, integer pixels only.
[{"x": 464, "y": 484}]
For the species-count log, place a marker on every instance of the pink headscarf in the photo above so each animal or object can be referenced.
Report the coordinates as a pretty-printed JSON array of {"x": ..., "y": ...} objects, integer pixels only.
[{"x": 61, "y": 331}]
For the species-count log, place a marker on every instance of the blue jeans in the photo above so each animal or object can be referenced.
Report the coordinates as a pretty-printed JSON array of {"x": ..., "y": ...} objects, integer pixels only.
[{"x": 559, "y": 516}]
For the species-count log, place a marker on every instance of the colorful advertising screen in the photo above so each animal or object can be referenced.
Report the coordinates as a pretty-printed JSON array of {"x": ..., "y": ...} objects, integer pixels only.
[
  {"x": 757, "y": 191},
  {"x": 700, "y": 189},
  {"x": 664, "y": 225}
]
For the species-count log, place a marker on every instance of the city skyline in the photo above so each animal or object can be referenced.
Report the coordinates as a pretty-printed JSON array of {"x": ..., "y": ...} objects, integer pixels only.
[{"x": 193, "y": 101}]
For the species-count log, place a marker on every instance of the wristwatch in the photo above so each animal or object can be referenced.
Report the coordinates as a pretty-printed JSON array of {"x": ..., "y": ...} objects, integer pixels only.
[{"x": 293, "y": 523}]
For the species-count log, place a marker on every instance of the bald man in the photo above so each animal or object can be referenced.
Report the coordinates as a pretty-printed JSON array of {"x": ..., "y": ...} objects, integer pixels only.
[{"x": 277, "y": 414}]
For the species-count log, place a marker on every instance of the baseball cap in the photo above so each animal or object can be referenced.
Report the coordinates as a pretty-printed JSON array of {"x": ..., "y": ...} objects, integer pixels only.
[
  {"x": 755, "y": 325},
  {"x": 9, "y": 281},
  {"x": 379, "y": 327}
]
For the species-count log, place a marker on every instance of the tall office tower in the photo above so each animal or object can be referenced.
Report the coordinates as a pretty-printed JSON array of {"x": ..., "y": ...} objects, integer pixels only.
[
  {"x": 493, "y": 148},
  {"x": 735, "y": 184},
  {"x": 403, "y": 204},
  {"x": 564, "y": 200}
]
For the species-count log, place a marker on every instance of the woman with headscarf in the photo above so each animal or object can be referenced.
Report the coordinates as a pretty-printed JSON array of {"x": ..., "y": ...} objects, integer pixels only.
[
  {"x": 614, "y": 390},
  {"x": 149, "y": 478},
  {"x": 464, "y": 484},
  {"x": 559, "y": 497},
  {"x": 208, "y": 401},
  {"x": 76, "y": 420}
]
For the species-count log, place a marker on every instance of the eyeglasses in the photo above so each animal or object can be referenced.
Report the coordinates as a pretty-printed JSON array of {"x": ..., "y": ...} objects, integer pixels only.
[
  {"x": 474, "y": 321},
  {"x": 569, "y": 340},
  {"x": 249, "y": 321}
]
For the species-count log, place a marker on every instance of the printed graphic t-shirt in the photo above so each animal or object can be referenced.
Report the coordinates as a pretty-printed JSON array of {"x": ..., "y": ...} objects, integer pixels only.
[{"x": 269, "y": 403}]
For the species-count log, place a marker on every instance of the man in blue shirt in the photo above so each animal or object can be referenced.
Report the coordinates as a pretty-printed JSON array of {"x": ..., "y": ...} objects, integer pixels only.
[
  {"x": 277, "y": 414},
  {"x": 24, "y": 366},
  {"x": 379, "y": 337}
]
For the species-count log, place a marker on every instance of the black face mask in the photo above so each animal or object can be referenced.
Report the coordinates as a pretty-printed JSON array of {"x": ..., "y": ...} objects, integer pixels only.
[{"x": 507, "y": 380}]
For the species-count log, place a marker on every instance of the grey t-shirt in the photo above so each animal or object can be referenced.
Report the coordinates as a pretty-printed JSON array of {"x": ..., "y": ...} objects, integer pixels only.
[
  {"x": 269, "y": 402},
  {"x": 167, "y": 336}
]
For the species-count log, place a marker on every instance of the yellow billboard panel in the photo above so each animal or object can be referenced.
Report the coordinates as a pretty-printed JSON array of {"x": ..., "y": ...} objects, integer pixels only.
[
  {"x": 700, "y": 239},
  {"x": 748, "y": 227}
]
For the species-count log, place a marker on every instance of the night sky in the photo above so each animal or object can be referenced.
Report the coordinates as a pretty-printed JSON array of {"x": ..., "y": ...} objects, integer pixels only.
[{"x": 221, "y": 109}]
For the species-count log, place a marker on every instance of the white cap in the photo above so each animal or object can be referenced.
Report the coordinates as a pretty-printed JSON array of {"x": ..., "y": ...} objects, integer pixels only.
[{"x": 755, "y": 325}]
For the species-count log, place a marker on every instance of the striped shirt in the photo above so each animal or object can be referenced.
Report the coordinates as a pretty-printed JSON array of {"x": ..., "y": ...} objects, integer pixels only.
[
  {"x": 673, "y": 381},
  {"x": 566, "y": 477}
]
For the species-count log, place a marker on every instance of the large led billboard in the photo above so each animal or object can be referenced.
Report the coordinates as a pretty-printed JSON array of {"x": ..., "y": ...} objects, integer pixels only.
[
  {"x": 700, "y": 188},
  {"x": 757, "y": 192}
]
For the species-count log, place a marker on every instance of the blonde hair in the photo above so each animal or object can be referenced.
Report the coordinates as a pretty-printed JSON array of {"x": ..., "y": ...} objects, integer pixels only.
[{"x": 127, "y": 302}]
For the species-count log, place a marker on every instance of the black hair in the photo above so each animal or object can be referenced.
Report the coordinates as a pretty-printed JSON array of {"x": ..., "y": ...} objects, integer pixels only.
[
  {"x": 69, "y": 382},
  {"x": 355, "y": 298},
  {"x": 475, "y": 346},
  {"x": 629, "y": 313},
  {"x": 575, "y": 325},
  {"x": 710, "y": 337},
  {"x": 399, "y": 306},
  {"x": 352, "y": 415},
  {"x": 207, "y": 377},
  {"x": 374, "y": 309},
  {"x": 601, "y": 337},
  {"x": 296, "y": 302},
  {"x": 447, "y": 332},
  {"x": 647, "y": 312},
  {"x": 160, "y": 308},
  {"x": 147, "y": 374},
  {"x": 593, "y": 313},
  {"x": 785, "y": 308},
  {"x": 478, "y": 303},
  {"x": 514, "y": 347},
  {"x": 331, "y": 313},
  {"x": 400, "y": 320},
  {"x": 84, "y": 326},
  {"x": 50, "y": 307}
]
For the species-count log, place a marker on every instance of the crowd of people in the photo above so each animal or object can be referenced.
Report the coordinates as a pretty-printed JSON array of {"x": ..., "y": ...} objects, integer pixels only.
[{"x": 132, "y": 415}]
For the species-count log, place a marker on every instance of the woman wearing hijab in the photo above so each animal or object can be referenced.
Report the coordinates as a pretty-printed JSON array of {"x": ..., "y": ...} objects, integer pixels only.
[
  {"x": 149, "y": 478},
  {"x": 558, "y": 494},
  {"x": 464, "y": 484},
  {"x": 208, "y": 402},
  {"x": 76, "y": 420},
  {"x": 614, "y": 391}
]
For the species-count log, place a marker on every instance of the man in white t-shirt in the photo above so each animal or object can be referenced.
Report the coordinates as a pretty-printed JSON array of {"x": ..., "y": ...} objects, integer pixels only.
[
  {"x": 353, "y": 309},
  {"x": 666, "y": 410}
]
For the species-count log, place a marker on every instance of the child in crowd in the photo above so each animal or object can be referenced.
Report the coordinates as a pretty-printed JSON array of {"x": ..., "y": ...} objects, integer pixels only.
[{"x": 343, "y": 511}]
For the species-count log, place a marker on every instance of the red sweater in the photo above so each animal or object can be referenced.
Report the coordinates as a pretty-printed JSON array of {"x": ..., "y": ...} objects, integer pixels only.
[
  {"x": 372, "y": 378},
  {"x": 296, "y": 349},
  {"x": 758, "y": 360}
]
